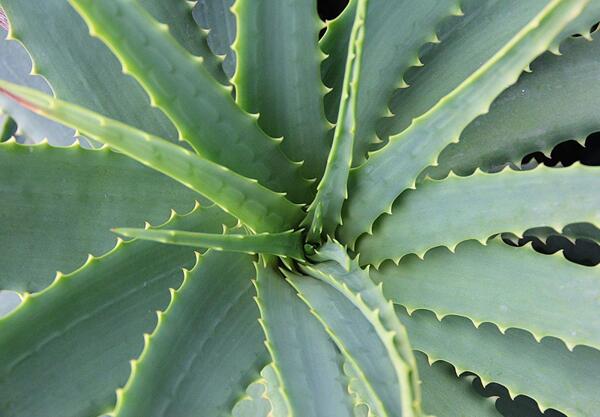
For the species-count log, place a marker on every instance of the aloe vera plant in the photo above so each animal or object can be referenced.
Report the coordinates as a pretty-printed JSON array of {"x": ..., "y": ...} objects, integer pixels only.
[{"x": 341, "y": 208}]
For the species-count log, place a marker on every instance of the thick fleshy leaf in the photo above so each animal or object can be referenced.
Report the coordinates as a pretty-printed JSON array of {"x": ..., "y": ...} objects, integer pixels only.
[
  {"x": 203, "y": 111},
  {"x": 216, "y": 17},
  {"x": 71, "y": 343},
  {"x": 206, "y": 347},
  {"x": 58, "y": 205},
  {"x": 325, "y": 212},
  {"x": 360, "y": 298},
  {"x": 467, "y": 42},
  {"x": 278, "y": 76},
  {"x": 446, "y": 395},
  {"x": 376, "y": 364},
  {"x": 449, "y": 211},
  {"x": 306, "y": 362},
  {"x": 79, "y": 68},
  {"x": 15, "y": 66},
  {"x": 376, "y": 184},
  {"x": 554, "y": 103},
  {"x": 502, "y": 284},
  {"x": 256, "y": 206},
  {"x": 546, "y": 371},
  {"x": 395, "y": 32},
  {"x": 286, "y": 244}
]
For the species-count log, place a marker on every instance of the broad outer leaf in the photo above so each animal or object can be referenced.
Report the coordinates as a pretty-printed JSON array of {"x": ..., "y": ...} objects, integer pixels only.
[
  {"x": 256, "y": 206},
  {"x": 376, "y": 184},
  {"x": 278, "y": 76},
  {"x": 546, "y": 371},
  {"x": 305, "y": 361},
  {"x": 203, "y": 111},
  {"x": 70, "y": 344},
  {"x": 554, "y": 103},
  {"x": 79, "y": 68},
  {"x": 15, "y": 66},
  {"x": 502, "y": 284},
  {"x": 459, "y": 208},
  {"x": 206, "y": 348},
  {"x": 58, "y": 205}
]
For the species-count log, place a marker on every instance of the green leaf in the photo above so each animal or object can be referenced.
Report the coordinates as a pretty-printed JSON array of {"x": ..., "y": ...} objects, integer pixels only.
[
  {"x": 368, "y": 348},
  {"x": 466, "y": 44},
  {"x": 325, "y": 212},
  {"x": 552, "y": 104},
  {"x": 80, "y": 69},
  {"x": 15, "y": 66},
  {"x": 58, "y": 204},
  {"x": 256, "y": 206},
  {"x": 305, "y": 361},
  {"x": 182, "y": 26},
  {"x": 289, "y": 244},
  {"x": 481, "y": 205},
  {"x": 70, "y": 344},
  {"x": 546, "y": 371},
  {"x": 278, "y": 76},
  {"x": 203, "y": 111},
  {"x": 363, "y": 300},
  {"x": 502, "y": 284},
  {"x": 206, "y": 348},
  {"x": 334, "y": 45},
  {"x": 216, "y": 17},
  {"x": 446, "y": 395},
  {"x": 376, "y": 184}
]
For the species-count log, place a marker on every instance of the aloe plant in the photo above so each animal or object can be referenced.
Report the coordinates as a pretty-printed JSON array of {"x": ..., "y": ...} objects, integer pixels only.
[{"x": 342, "y": 208}]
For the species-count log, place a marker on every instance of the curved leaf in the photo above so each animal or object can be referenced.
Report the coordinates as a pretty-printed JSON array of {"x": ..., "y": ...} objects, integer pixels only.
[
  {"x": 376, "y": 184},
  {"x": 278, "y": 76},
  {"x": 305, "y": 361},
  {"x": 206, "y": 348},
  {"x": 547, "y": 372},
  {"x": 58, "y": 205},
  {"x": 256, "y": 206},
  {"x": 71, "y": 343},
  {"x": 554, "y": 103},
  {"x": 203, "y": 111},
  {"x": 502, "y": 284},
  {"x": 481, "y": 205}
]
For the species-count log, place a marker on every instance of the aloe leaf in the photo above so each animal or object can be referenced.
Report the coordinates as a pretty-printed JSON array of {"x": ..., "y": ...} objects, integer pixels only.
[
  {"x": 203, "y": 111},
  {"x": 545, "y": 371},
  {"x": 60, "y": 203},
  {"x": 552, "y": 104},
  {"x": 256, "y": 206},
  {"x": 354, "y": 285},
  {"x": 278, "y": 76},
  {"x": 15, "y": 66},
  {"x": 481, "y": 205},
  {"x": 573, "y": 232},
  {"x": 305, "y": 361},
  {"x": 289, "y": 244},
  {"x": 377, "y": 183},
  {"x": 504, "y": 285},
  {"x": 182, "y": 26},
  {"x": 334, "y": 45},
  {"x": 209, "y": 333},
  {"x": 446, "y": 395},
  {"x": 79, "y": 68},
  {"x": 325, "y": 212},
  {"x": 468, "y": 42},
  {"x": 216, "y": 17},
  {"x": 97, "y": 315},
  {"x": 362, "y": 336}
]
